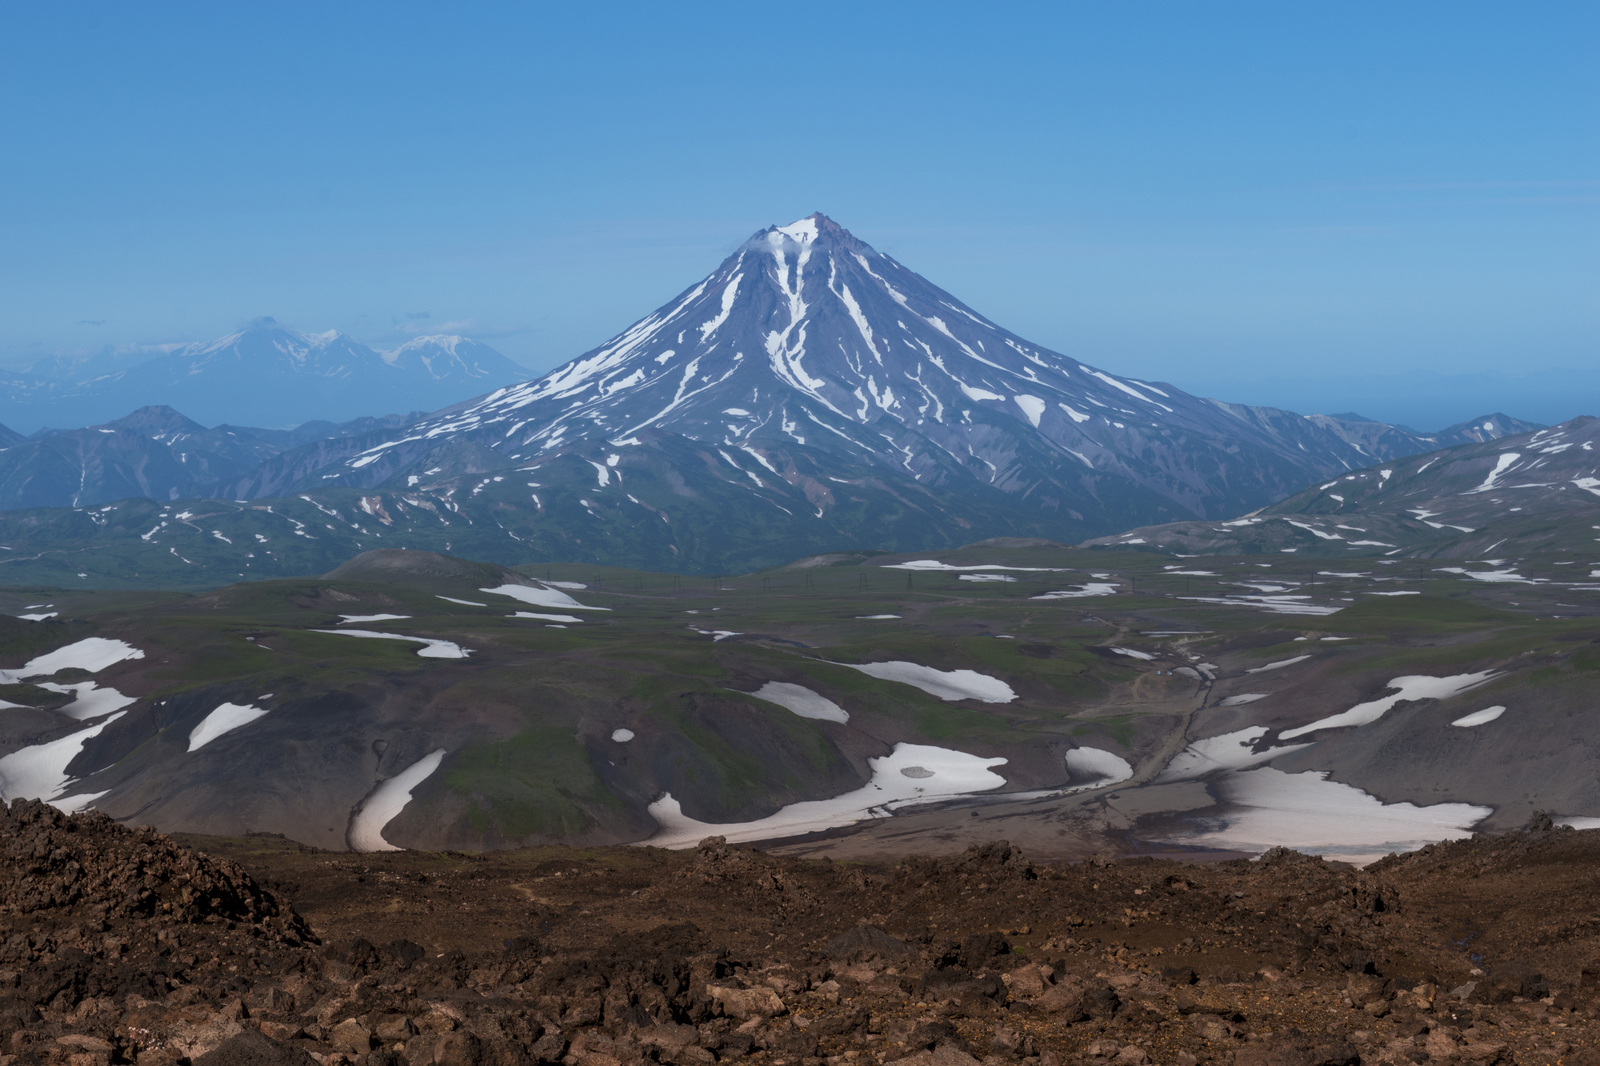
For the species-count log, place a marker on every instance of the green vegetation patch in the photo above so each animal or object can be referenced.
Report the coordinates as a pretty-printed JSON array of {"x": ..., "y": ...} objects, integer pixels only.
[
  {"x": 34, "y": 696},
  {"x": 1400, "y": 613},
  {"x": 537, "y": 783}
]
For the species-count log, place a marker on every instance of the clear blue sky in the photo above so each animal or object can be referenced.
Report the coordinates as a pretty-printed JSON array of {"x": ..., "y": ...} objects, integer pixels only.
[{"x": 1257, "y": 201}]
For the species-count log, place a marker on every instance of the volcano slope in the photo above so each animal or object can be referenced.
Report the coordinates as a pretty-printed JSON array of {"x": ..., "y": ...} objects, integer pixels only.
[
  {"x": 1083, "y": 703},
  {"x": 121, "y": 947}
]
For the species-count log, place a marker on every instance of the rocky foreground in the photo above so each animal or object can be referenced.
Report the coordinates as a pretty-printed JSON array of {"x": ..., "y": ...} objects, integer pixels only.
[{"x": 121, "y": 946}]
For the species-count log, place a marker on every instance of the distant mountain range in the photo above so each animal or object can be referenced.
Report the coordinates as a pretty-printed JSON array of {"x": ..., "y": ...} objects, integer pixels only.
[
  {"x": 1533, "y": 492},
  {"x": 264, "y": 375},
  {"x": 810, "y": 395},
  {"x": 155, "y": 452}
]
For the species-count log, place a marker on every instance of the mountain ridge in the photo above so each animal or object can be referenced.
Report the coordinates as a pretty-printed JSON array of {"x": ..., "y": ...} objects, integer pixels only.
[
  {"x": 264, "y": 374},
  {"x": 1532, "y": 492}
]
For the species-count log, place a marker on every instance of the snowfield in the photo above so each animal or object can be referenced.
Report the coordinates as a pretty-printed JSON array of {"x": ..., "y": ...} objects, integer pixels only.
[
  {"x": 948, "y": 685},
  {"x": 1093, "y": 588},
  {"x": 1229, "y": 751},
  {"x": 936, "y": 565},
  {"x": 541, "y": 597},
  {"x": 801, "y": 701},
  {"x": 1095, "y": 768},
  {"x": 1410, "y": 687},
  {"x": 225, "y": 719},
  {"x": 912, "y": 773},
  {"x": 89, "y": 700},
  {"x": 1280, "y": 664},
  {"x": 1267, "y": 808},
  {"x": 1477, "y": 718},
  {"x": 40, "y": 771},
  {"x": 385, "y": 802},
  {"x": 432, "y": 648},
  {"x": 92, "y": 654}
]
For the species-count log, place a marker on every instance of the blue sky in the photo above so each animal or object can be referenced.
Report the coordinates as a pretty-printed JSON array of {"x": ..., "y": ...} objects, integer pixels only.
[{"x": 1364, "y": 205}]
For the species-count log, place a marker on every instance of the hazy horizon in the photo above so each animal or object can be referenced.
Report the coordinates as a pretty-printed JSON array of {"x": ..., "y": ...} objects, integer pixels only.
[{"x": 1387, "y": 210}]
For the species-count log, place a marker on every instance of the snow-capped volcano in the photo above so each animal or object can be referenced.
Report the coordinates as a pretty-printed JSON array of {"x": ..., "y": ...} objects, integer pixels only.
[
  {"x": 808, "y": 339},
  {"x": 809, "y": 335}
]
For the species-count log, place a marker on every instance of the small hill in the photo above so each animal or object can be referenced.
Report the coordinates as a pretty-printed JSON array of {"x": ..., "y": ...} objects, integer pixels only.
[{"x": 398, "y": 564}]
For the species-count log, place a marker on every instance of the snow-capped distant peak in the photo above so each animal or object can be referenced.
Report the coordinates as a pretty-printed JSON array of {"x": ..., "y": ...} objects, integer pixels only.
[{"x": 803, "y": 231}]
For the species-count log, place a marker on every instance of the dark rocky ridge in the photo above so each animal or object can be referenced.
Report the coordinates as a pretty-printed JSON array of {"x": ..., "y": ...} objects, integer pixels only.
[{"x": 1481, "y": 951}]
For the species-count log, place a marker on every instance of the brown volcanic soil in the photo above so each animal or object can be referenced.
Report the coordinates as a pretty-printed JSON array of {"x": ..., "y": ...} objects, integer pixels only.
[{"x": 120, "y": 946}]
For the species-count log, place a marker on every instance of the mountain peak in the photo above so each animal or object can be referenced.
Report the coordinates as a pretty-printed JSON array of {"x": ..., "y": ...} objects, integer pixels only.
[
  {"x": 807, "y": 343},
  {"x": 815, "y": 228}
]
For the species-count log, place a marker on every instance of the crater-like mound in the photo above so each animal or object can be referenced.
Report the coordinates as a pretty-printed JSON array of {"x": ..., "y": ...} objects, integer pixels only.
[{"x": 390, "y": 564}]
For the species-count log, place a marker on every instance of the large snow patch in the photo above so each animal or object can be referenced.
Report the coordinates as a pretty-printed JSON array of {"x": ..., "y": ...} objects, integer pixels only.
[
  {"x": 912, "y": 773},
  {"x": 384, "y": 803},
  {"x": 948, "y": 685},
  {"x": 1410, "y": 687},
  {"x": 432, "y": 648},
  {"x": 541, "y": 597},
  {"x": 92, "y": 654},
  {"x": 225, "y": 719},
  {"x": 801, "y": 701}
]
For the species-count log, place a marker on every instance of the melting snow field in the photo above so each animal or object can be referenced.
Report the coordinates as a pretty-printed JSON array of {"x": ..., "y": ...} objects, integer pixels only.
[
  {"x": 1098, "y": 766},
  {"x": 1411, "y": 687},
  {"x": 1230, "y": 751},
  {"x": 1280, "y": 664},
  {"x": 1476, "y": 718},
  {"x": 348, "y": 618},
  {"x": 92, "y": 654},
  {"x": 546, "y": 617},
  {"x": 934, "y": 564},
  {"x": 542, "y": 597},
  {"x": 432, "y": 649},
  {"x": 225, "y": 719},
  {"x": 985, "y": 577},
  {"x": 1275, "y": 604},
  {"x": 1093, "y": 588},
  {"x": 875, "y": 617},
  {"x": 464, "y": 603},
  {"x": 621, "y": 736},
  {"x": 948, "y": 685},
  {"x": 912, "y": 773},
  {"x": 1132, "y": 654},
  {"x": 1578, "y": 822},
  {"x": 386, "y": 801},
  {"x": 40, "y": 771},
  {"x": 1309, "y": 813},
  {"x": 90, "y": 700},
  {"x": 801, "y": 701},
  {"x": 1244, "y": 698}
]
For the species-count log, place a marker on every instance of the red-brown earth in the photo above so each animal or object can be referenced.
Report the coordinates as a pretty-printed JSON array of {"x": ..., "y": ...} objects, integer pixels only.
[{"x": 125, "y": 946}]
